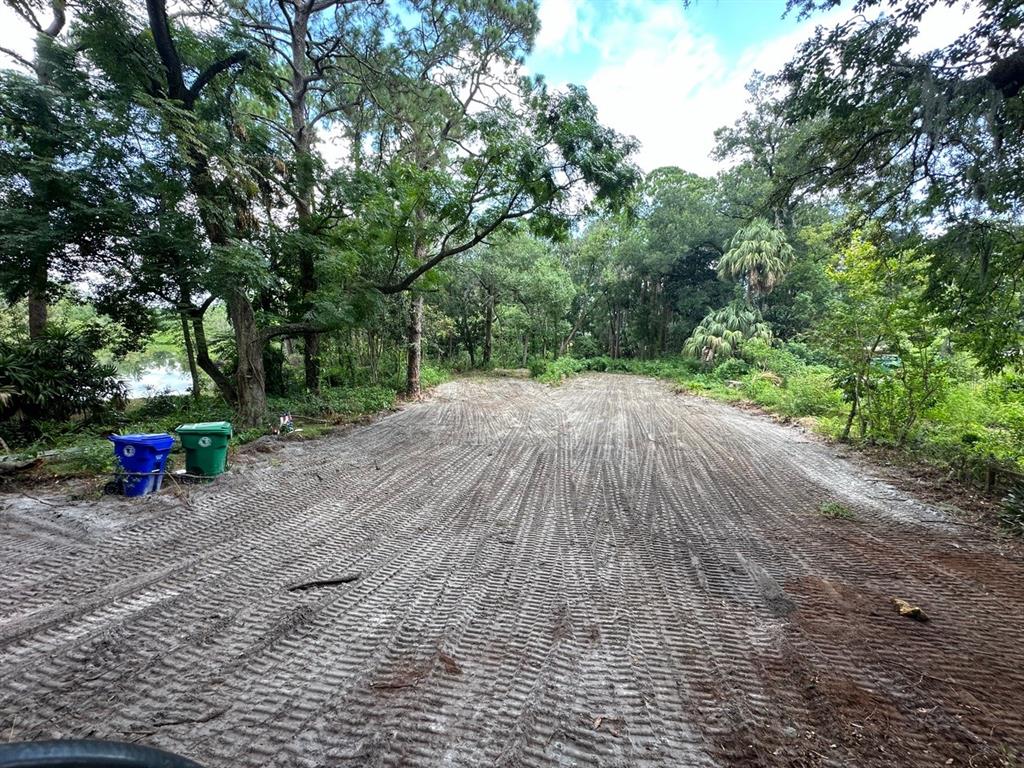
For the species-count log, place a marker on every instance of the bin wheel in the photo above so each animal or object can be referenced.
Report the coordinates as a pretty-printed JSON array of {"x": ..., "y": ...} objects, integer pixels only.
[
  {"x": 80, "y": 753},
  {"x": 113, "y": 488}
]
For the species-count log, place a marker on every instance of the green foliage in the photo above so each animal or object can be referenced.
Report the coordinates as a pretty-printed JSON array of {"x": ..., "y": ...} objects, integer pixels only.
[
  {"x": 165, "y": 413},
  {"x": 1011, "y": 512},
  {"x": 347, "y": 402},
  {"x": 837, "y": 511},
  {"x": 758, "y": 257},
  {"x": 555, "y": 371},
  {"x": 55, "y": 378},
  {"x": 431, "y": 376},
  {"x": 537, "y": 366},
  {"x": 86, "y": 457},
  {"x": 811, "y": 392},
  {"x": 731, "y": 369},
  {"x": 725, "y": 332},
  {"x": 875, "y": 129}
]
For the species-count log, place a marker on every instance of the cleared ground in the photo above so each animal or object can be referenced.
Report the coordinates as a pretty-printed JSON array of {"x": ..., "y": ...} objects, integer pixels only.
[{"x": 605, "y": 573}]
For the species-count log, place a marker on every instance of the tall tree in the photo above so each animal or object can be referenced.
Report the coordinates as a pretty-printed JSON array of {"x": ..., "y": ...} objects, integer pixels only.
[
  {"x": 470, "y": 145},
  {"x": 320, "y": 56},
  {"x": 40, "y": 122},
  {"x": 184, "y": 100},
  {"x": 758, "y": 257}
]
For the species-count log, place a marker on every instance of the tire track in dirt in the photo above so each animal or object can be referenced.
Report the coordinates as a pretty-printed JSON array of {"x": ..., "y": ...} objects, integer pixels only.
[{"x": 602, "y": 574}]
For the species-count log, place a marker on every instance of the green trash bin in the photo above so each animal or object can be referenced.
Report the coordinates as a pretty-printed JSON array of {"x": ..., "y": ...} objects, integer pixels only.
[{"x": 206, "y": 447}]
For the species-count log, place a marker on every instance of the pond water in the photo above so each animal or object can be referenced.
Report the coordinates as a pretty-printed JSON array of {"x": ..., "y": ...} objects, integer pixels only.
[{"x": 158, "y": 379}]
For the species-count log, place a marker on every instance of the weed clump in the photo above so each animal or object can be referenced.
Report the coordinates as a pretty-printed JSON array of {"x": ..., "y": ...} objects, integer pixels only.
[{"x": 836, "y": 511}]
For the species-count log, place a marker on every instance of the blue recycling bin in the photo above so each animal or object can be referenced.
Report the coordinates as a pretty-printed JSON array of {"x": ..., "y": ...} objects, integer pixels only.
[{"x": 142, "y": 459}]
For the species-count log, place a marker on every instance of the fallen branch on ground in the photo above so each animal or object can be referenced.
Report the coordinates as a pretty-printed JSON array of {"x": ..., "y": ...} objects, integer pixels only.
[{"x": 346, "y": 579}]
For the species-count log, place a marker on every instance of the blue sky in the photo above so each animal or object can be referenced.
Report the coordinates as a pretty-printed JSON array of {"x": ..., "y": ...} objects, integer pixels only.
[
  {"x": 735, "y": 25},
  {"x": 670, "y": 75}
]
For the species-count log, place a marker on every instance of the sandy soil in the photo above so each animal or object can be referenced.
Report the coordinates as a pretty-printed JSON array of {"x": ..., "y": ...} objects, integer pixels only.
[{"x": 602, "y": 574}]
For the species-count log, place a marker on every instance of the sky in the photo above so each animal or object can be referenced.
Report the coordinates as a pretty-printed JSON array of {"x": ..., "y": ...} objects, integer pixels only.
[
  {"x": 670, "y": 74},
  {"x": 662, "y": 72}
]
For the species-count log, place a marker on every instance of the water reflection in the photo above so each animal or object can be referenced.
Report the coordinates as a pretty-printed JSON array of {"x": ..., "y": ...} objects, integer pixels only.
[{"x": 167, "y": 378}]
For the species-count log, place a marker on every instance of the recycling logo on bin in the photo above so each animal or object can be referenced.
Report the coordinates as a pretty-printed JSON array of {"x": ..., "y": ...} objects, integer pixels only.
[
  {"x": 204, "y": 442},
  {"x": 128, "y": 450}
]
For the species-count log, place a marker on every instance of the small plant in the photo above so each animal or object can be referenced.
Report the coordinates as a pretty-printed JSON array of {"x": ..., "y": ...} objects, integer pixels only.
[
  {"x": 537, "y": 366},
  {"x": 731, "y": 369},
  {"x": 837, "y": 511},
  {"x": 554, "y": 371},
  {"x": 1011, "y": 512}
]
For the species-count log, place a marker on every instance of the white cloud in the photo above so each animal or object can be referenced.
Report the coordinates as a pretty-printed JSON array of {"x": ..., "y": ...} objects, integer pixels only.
[
  {"x": 564, "y": 24},
  {"x": 670, "y": 85},
  {"x": 674, "y": 87},
  {"x": 942, "y": 24}
]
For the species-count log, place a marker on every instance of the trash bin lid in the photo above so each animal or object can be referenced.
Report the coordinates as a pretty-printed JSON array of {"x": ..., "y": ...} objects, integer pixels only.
[
  {"x": 207, "y": 428},
  {"x": 159, "y": 440}
]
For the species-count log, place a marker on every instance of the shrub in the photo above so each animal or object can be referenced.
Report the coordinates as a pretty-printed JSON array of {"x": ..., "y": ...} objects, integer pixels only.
[
  {"x": 431, "y": 376},
  {"x": 341, "y": 401},
  {"x": 1011, "y": 512},
  {"x": 85, "y": 458},
  {"x": 769, "y": 358},
  {"x": 554, "y": 371},
  {"x": 56, "y": 377},
  {"x": 537, "y": 366},
  {"x": 764, "y": 388},
  {"x": 811, "y": 392},
  {"x": 732, "y": 369}
]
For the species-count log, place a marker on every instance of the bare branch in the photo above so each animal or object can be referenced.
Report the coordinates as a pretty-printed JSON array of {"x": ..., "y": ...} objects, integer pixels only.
[
  {"x": 24, "y": 10},
  {"x": 59, "y": 8},
  {"x": 238, "y": 57},
  {"x": 18, "y": 58}
]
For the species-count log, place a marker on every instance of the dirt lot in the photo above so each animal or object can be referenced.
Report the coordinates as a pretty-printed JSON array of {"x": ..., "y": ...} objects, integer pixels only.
[{"x": 605, "y": 573}]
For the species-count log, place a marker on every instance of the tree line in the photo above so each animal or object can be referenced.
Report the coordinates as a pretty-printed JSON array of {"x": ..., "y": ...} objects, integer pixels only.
[{"x": 356, "y": 184}]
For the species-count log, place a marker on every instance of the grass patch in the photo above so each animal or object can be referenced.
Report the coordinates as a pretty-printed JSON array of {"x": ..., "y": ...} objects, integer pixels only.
[
  {"x": 556, "y": 371},
  {"x": 836, "y": 511}
]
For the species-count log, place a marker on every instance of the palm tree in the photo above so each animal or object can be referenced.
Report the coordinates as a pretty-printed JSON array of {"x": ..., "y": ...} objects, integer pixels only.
[
  {"x": 722, "y": 333},
  {"x": 759, "y": 257}
]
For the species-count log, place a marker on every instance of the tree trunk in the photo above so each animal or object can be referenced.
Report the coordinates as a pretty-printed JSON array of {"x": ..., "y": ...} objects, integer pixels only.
[
  {"x": 471, "y": 349},
  {"x": 666, "y": 313},
  {"x": 415, "y": 338},
  {"x": 373, "y": 359},
  {"x": 526, "y": 349},
  {"x": 850, "y": 418},
  {"x": 37, "y": 307},
  {"x": 563, "y": 347},
  {"x": 251, "y": 378},
  {"x": 311, "y": 361},
  {"x": 488, "y": 328},
  {"x": 210, "y": 368},
  {"x": 191, "y": 354},
  {"x": 302, "y": 136}
]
